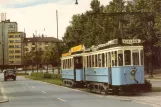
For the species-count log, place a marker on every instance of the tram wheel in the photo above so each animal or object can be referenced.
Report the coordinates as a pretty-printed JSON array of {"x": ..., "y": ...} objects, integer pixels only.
[{"x": 106, "y": 91}]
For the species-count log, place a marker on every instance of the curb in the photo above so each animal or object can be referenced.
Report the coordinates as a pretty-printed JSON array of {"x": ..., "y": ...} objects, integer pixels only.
[{"x": 4, "y": 97}]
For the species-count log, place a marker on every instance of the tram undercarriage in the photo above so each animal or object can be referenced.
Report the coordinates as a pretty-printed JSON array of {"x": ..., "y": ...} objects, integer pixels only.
[
  {"x": 102, "y": 88},
  {"x": 73, "y": 84}
]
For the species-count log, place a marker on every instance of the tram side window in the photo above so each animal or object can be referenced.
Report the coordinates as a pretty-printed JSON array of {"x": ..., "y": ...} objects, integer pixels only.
[
  {"x": 120, "y": 58},
  {"x": 99, "y": 60},
  {"x": 69, "y": 63},
  {"x": 106, "y": 59},
  {"x": 103, "y": 60},
  {"x": 87, "y": 61},
  {"x": 64, "y": 64},
  {"x": 114, "y": 58},
  {"x": 135, "y": 56},
  {"x": 95, "y": 60},
  {"x": 127, "y": 54},
  {"x": 141, "y": 56}
]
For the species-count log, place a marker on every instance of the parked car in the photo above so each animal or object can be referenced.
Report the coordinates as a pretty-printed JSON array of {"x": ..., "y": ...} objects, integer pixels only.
[{"x": 9, "y": 74}]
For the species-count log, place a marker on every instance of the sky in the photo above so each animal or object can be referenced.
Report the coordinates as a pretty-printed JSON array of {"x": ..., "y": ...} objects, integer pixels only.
[{"x": 39, "y": 16}]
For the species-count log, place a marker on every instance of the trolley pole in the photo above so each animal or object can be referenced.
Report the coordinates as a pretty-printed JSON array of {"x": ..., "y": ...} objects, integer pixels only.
[{"x": 58, "y": 43}]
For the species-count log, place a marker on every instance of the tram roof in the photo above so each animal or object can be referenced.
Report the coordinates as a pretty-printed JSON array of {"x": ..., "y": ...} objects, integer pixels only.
[
  {"x": 115, "y": 43},
  {"x": 79, "y": 49}
]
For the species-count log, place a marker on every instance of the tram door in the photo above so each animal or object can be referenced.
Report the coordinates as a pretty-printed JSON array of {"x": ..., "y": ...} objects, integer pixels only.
[
  {"x": 109, "y": 67},
  {"x": 78, "y": 64}
]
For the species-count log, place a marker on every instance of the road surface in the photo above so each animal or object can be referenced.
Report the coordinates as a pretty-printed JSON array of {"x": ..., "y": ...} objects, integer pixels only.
[{"x": 30, "y": 93}]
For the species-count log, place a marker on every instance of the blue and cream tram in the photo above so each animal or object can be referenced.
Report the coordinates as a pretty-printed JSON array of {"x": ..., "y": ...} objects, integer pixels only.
[
  {"x": 72, "y": 67},
  {"x": 114, "y": 66}
]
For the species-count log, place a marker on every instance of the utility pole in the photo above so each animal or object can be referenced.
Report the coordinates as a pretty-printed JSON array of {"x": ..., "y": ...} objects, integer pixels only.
[
  {"x": 36, "y": 51},
  {"x": 58, "y": 43}
]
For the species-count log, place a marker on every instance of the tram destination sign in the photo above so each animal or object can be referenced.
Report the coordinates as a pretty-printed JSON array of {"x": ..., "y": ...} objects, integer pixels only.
[{"x": 131, "y": 41}]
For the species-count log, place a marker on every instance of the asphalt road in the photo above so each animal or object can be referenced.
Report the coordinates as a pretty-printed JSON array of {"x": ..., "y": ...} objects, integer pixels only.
[{"x": 30, "y": 93}]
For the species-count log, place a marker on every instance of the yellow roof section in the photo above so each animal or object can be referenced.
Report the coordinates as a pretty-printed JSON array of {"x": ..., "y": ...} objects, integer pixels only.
[
  {"x": 77, "y": 48},
  {"x": 66, "y": 54}
]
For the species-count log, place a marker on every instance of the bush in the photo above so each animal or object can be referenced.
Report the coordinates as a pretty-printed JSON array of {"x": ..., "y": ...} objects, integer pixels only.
[
  {"x": 56, "y": 76},
  {"x": 22, "y": 73},
  {"x": 47, "y": 75},
  {"x": 147, "y": 86},
  {"x": 39, "y": 74}
]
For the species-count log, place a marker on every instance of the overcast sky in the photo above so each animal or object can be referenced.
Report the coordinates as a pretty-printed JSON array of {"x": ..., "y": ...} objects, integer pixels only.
[{"x": 37, "y": 15}]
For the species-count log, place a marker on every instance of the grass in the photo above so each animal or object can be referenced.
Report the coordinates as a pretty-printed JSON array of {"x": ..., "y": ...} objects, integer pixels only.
[{"x": 52, "y": 81}]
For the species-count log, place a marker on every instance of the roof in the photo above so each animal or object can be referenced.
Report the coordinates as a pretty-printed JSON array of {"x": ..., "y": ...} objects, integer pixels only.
[{"x": 42, "y": 39}]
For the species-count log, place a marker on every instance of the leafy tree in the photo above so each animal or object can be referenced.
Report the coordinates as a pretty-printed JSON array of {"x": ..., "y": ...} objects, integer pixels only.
[{"x": 93, "y": 28}]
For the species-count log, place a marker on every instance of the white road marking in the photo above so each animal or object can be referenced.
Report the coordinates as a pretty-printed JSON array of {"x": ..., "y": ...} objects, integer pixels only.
[
  {"x": 62, "y": 100},
  {"x": 33, "y": 87},
  {"x": 4, "y": 96},
  {"x": 43, "y": 91}
]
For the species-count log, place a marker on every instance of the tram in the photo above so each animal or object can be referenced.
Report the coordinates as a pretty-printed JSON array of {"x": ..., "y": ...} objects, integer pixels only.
[{"x": 111, "y": 67}]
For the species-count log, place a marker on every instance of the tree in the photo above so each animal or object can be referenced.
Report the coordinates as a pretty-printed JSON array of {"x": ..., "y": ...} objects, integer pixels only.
[{"x": 93, "y": 28}]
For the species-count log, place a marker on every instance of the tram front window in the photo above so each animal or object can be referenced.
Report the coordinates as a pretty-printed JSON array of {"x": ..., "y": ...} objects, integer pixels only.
[
  {"x": 120, "y": 58},
  {"x": 127, "y": 54},
  {"x": 135, "y": 56}
]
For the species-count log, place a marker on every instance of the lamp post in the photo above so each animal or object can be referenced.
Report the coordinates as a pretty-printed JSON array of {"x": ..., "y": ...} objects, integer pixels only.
[
  {"x": 76, "y": 2},
  {"x": 58, "y": 43}
]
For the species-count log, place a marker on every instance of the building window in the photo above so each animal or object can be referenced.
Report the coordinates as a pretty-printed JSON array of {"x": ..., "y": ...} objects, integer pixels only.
[
  {"x": 11, "y": 36},
  {"x": 11, "y": 56},
  {"x": 46, "y": 43},
  {"x": 17, "y": 51},
  {"x": 26, "y": 49},
  {"x": 11, "y": 46},
  {"x": 17, "y": 36},
  {"x": 11, "y": 51},
  {"x": 17, "y": 46},
  {"x": 17, "y": 56},
  {"x": 33, "y": 48},
  {"x": 17, "y": 41},
  {"x": 11, "y": 41},
  {"x": 11, "y": 62},
  {"x": 11, "y": 26},
  {"x": 33, "y": 43}
]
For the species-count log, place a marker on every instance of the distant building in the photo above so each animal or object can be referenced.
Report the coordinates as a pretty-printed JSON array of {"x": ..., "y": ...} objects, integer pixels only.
[
  {"x": 38, "y": 43},
  {"x": 15, "y": 48},
  {"x": 5, "y": 27}
]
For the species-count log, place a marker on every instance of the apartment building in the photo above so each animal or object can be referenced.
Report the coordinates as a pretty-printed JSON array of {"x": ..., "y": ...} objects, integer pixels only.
[
  {"x": 15, "y": 48},
  {"x": 6, "y": 26},
  {"x": 38, "y": 43}
]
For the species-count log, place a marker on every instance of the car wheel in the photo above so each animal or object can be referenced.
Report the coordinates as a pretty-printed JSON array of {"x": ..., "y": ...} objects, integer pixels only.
[{"x": 14, "y": 79}]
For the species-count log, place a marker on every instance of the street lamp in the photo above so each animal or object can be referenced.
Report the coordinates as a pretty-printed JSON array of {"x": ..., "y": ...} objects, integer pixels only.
[{"x": 76, "y": 2}]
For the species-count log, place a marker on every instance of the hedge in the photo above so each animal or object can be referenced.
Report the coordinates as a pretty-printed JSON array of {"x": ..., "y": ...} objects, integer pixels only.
[{"x": 46, "y": 75}]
